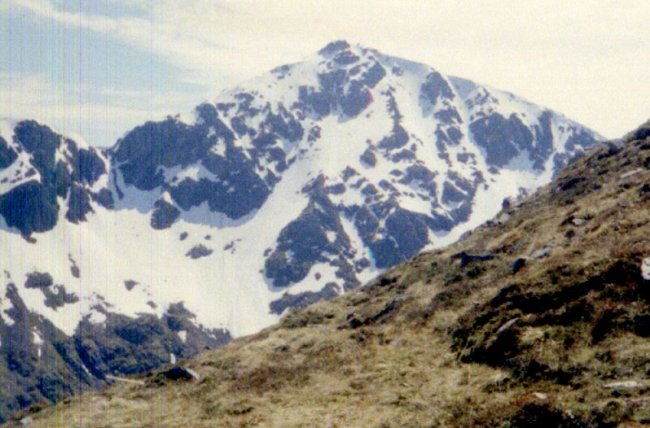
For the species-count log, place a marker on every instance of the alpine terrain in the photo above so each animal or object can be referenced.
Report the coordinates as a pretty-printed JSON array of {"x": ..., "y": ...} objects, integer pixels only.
[
  {"x": 538, "y": 318},
  {"x": 295, "y": 186}
]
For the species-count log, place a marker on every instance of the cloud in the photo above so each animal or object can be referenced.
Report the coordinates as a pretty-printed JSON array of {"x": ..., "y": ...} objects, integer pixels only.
[
  {"x": 577, "y": 57},
  {"x": 68, "y": 108}
]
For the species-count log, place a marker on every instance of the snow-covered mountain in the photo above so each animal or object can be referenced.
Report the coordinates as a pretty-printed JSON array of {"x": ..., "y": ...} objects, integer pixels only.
[{"x": 294, "y": 186}]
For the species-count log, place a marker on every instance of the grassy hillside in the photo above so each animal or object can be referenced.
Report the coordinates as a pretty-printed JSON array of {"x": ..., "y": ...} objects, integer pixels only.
[{"x": 540, "y": 318}]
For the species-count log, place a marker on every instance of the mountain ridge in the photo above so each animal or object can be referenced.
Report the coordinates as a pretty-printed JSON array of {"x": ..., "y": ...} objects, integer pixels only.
[
  {"x": 538, "y": 317},
  {"x": 316, "y": 176}
]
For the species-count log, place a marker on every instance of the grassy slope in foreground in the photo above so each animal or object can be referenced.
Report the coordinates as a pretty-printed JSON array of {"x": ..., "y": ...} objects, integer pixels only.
[{"x": 434, "y": 343}]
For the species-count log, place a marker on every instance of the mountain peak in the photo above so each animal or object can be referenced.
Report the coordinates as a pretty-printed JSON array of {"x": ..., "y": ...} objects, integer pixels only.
[
  {"x": 541, "y": 315},
  {"x": 334, "y": 47},
  {"x": 315, "y": 176}
]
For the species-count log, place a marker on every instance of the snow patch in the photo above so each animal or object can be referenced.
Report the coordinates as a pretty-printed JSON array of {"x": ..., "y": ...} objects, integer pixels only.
[
  {"x": 219, "y": 147},
  {"x": 96, "y": 317},
  {"x": 38, "y": 341},
  {"x": 645, "y": 268}
]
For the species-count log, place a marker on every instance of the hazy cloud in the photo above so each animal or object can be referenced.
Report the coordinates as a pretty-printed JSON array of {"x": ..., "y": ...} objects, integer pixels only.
[
  {"x": 64, "y": 108},
  {"x": 587, "y": 59}
]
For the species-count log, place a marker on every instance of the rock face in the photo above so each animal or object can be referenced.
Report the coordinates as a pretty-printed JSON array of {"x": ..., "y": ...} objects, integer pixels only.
[
  {"x": 39, "y": 362},
  {"x": 309, "y": 180},
  {"x": 44, "y": 172}
]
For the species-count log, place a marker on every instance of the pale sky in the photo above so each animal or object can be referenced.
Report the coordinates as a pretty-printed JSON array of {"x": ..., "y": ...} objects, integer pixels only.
[{"x": 100, "y": 67}]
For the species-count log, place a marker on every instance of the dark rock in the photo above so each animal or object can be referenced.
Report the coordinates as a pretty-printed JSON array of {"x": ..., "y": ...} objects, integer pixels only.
[
  {"x": 404, "y": 154},
  {"x": 466, "y": 258},
  {"x": 398, "y": 139},
  {"x": 146, "y": 148},
  {"x": 177, "y": 373},
  {"x": 407, "y": 235},
  {"x": 137, "y": 331},
  {"x": 541, "y": 415},
  {"x": 336, "y": 189},
  {"x": 345, "y": 57},
  {"x": 178, "y": 317},
  {"x": 124, "y": 346},
  {"x": 317, "y": 103},
  {"x": 238, "y": 191},
  {"x": 449, "y": 116},
  {"x": 129, "y": 284},
  {"x": 284, "y": 125},
  {"x": 517, "y": 265},
  {"x": 164, "y": 214},
  {"x": 35, "y": 373},
  {"x": 30, "y": 208},
  {"x": 543, "y": 145},
  {"x": 571, "y": 183},
  {"x": 38, "y": 280},
  {"x": 78, "y": 205},
  {"x": 57, "y": 296},
  {"x": 357, "y": 98},
  {"x": 386, "y": 280},
  {"x": 373, "y": 75},
  {"x": 74, "y": 269},
  {"x": 33, "y": 205},
  {"x": 301, "y": 300},
  {"x": 434, "y": 87},
  {"x": 88, "y": 166},
  {"x": 465, "y": 157},
  {"x": 199, "y": 251},
  {"x": 641, "y": 133},
  {"x": 120, "y": 346},
  {"x": 237, "y": 188},
  {"x": 451, "y": 194},
  {"x": 334, "y": 47},
  {"x": 7, "y": 154},
  {"x": 346, "y": 272},
  {"x": 305, "y": 241},
  {"x": 341, "y": 90},
  {"x": 423, "y": 178},
  {"x": 38, "y": 140},
  {"x": 355, "y": 321},
  {"x": 347, "y": 173},
  {"x": 501, "y": 138},
  {"x": 368, "y": 157},
  {"x": 104, "y": 198}
]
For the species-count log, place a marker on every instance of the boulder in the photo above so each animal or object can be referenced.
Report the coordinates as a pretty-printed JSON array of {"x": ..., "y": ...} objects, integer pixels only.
[
  {"x": 517, "y": 265},
  {"x": 466, "y": 258},
  {"x": 177, "y": 373}
]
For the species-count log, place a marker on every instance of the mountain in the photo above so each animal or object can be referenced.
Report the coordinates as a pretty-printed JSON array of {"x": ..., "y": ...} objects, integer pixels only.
[
  {"x": 539, "y": 317},
  {"x": 295, "y": 186}
]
